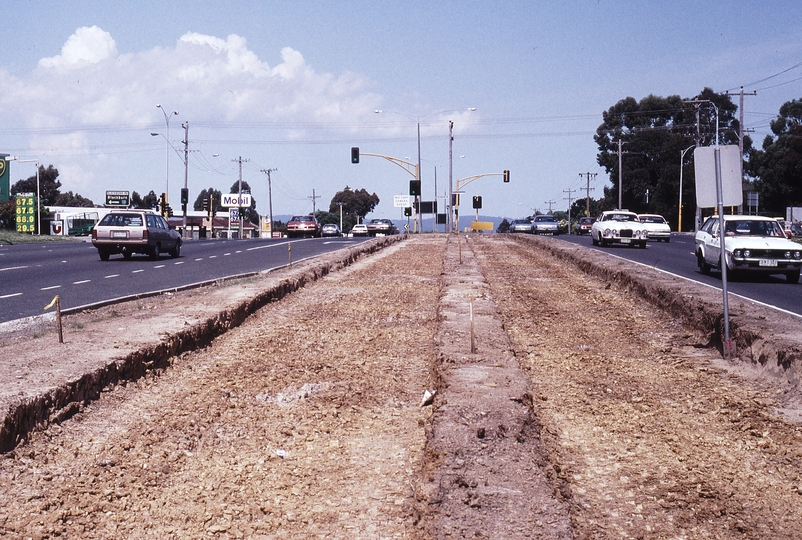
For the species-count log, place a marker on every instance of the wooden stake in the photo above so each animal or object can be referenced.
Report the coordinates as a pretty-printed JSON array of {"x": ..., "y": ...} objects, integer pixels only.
[
  {"x": 473, "y": 335},
  {"x": 289, "y": 252},
  {"x": 58, "y": 320}
]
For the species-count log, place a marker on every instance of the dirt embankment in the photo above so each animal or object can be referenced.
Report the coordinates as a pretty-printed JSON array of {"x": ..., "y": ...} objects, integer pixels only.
[{"x": 306, "y": 420}]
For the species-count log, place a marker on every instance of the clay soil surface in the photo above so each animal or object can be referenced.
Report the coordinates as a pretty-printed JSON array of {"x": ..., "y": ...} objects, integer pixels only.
[{"x": 569, "y": 409}]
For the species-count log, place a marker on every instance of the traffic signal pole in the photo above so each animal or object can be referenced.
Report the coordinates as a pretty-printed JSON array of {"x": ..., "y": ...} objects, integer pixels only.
[{"x": 408, "y": 166}]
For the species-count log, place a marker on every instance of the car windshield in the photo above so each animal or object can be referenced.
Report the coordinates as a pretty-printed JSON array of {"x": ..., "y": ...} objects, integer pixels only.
[
  {"x": 302, "y": 218},
  {"x": 752, "y": 227},
  {"x": 122, "y": 220},
  {"x": 652, "y": 219},
  {"x": 545, "y": 218},
  {"x": 621, "y": 217}
]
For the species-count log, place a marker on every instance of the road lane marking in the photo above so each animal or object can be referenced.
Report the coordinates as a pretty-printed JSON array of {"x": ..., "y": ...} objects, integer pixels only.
[
  {"x": 51, "y": 287},
  {"x": 159, "y": 266},
  {"x": 10, "y": 295},
  {"x": 111, "y": 276},
  {"x": 81, "y": 282},
  {"x": 199, "y": 259},
  {"x": 179, "y": 262},
  {"x": 137, "y": 271},
  {"x": 213, "y": 256},
  {"x": 12, "y": 268}
]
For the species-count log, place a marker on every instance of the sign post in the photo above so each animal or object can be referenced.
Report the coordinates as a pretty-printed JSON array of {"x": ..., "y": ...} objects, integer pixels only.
[{"x": 718, "y": 184}]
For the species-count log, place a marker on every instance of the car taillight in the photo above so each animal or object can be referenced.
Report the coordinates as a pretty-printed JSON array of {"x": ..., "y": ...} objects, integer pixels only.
[
  {"x": 94, "y": 234},
  {"x": 145, "y": 234}
]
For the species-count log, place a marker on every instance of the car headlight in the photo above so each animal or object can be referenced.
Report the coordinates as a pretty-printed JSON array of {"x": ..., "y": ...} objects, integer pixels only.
[
  {"x": 797, "y": 255},
  {"x": 607, "y": 232},
  {"x": 787, "y": 254},
  {"x": 737, "y": 253}
]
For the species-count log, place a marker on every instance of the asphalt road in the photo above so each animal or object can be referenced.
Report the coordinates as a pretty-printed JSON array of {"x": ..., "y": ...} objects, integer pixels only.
[
  {"x": 677, "y": 257},
  {"x": 31, "y": 275}
]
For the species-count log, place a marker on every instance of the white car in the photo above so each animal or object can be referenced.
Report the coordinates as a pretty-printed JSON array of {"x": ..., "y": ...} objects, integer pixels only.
[
  {"x": 752, "y": 244},
  {"x": 620, "y": 227},
  {"x": 360, "y": 229},
  {"x": 656, "y": 227},
  {"x": 546, "y": 225}
]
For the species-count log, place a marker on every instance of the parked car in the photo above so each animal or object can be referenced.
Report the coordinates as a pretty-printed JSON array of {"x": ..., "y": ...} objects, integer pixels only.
[
  {"x": 545, "y": 225},
  {"x": 618, "y": 226},
  {"x": 360, "y": 229},
  {"x": 656, "y": 227},
  {"x": 752, "y": 244},
  {"x": 796, "y": 229},
  {"x": 135, "y": 231},
  {"x": 522, "y": 226},
  {"x": 381, "y": 227},
  {"x": 583, "y": 225},
  {"x": 303, "y": 226},
  {"x": 330, "y": 230}
]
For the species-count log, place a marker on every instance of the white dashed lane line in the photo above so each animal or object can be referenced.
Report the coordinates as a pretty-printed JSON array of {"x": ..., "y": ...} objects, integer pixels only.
[
  {"x": 81, "y": 282},
  {"x": 10, "y": 295},
  {"x": 112, "y": 276},
  {"x": 51, "y": 287}
]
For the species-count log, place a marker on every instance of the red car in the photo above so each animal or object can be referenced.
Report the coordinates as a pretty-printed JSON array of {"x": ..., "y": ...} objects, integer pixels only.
[
  {"x": 303, "y": 226},
  {"x": 583, "y": 225}
]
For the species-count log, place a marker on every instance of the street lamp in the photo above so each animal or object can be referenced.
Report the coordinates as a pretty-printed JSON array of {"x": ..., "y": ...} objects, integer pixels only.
[
  {"x": 451, "y": 124},
  {"x": 681, "y": 160},
  {"x": 38, "y": 200},
  {"x": 167, "y": 153}
]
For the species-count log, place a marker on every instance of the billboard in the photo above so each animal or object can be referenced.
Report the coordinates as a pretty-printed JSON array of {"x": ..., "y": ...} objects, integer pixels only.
[{"x": 4, "y": 182}]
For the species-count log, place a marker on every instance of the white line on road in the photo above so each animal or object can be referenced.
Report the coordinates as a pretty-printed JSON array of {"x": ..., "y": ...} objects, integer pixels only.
[
  {"x": 51, "y": 287},
  {"x": 137, "y": 271},
  {"x": 179, "y": 262},
  {"x": 81, "y": 282},
  {"x": 10, "y": 295},
  {"x": 112, "y": 276},
  {"x": 160, "y": 266},
  {"x": 12, "y": 268}
]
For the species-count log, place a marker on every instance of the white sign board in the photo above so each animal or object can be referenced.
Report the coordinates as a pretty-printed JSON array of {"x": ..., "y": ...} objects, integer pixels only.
[
  {"x": 234, "y": 200},
  {"x": 401, "y": 201},
  {"x": 704, "y": 165}
]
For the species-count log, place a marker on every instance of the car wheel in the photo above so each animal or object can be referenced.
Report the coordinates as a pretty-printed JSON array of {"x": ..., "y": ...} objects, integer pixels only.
[
  {"x": 668, "y": 240},
  {"x": 176, "y": 251},
  {"x": 642, "y": 245},
  {"x": 704, "y": 268},
  {"x": 154, "y": 252},
  {"x": 593, "y": 239},
  {"x": 602, "y": 242},
  {"x": 792, "y": 276},
  {"x": 127, "y": 255},
  {"x": 104, "y": 255}
]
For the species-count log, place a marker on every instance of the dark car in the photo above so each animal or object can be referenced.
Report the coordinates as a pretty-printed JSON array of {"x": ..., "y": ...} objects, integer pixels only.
[
  {"x": 135, "y": 231},
  {"x": 303, "y": 226},
  {"x": 330, "y": 230},
  {"x": 381, "y": 227}
]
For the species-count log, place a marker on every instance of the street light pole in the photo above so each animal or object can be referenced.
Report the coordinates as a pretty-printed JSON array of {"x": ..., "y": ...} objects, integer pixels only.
[
  {"x": 186, "y": 174},
  {"x": 681, "y": 160},
  {"x": 167, "y": 153}
]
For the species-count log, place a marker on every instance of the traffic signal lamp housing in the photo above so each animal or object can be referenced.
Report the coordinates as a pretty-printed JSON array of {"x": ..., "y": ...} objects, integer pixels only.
[
  {"x": 414, "y": 188},
  {"x": 407, "y": 211},
  {"x": 506, "y": 175},
  {"x": 163, "y": 205},
  {"x": 354, "y": 154},
  {"x": 477, "y": 201}
]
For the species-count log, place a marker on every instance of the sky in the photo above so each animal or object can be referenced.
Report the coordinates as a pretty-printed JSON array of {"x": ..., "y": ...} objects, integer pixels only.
[{"x": 291, "y": 86}]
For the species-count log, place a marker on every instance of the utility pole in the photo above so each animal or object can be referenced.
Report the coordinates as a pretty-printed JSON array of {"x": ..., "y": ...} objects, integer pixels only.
[
  {"x": 340, "y": 204},
  {"x": 545, "y": 202},
  {"x": 186, "y": 174},
  {"x": 620, "y": 174},
  {"x": 570, "y": 200},
  {"x": 588, "y": 190},
  {"x": 269, "y": 198},
  {"x": 450, "y": 202},
  {"x": 313, "y": 197},
  {"x": 741, "y": 131},
  {"x": 239, "y": 199}
]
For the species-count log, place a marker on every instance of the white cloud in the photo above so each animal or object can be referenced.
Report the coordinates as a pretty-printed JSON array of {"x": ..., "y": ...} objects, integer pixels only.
[{"x": 88, "y": 45}]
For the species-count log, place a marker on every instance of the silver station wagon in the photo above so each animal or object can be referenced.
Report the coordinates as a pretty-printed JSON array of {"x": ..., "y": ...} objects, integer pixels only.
[{"x": 135, "y": 231}]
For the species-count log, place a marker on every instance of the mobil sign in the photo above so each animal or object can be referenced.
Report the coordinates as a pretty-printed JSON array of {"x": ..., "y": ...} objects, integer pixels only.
[{"x": 234, "y": 200}]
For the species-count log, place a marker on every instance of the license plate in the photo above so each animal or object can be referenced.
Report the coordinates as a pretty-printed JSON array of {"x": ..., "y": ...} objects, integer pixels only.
[
  {"x": 768, "y": 262},
  {"x": 119, "y": 234},
  {"x": 625, "y": 240}
]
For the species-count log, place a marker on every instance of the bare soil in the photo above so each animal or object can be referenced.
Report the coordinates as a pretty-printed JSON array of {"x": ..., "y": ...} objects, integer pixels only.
[{"x": 444, "y": 387}]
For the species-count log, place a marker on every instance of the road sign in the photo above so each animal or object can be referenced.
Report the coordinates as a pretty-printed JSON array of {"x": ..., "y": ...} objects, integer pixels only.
[
  {"x": 704, "y": 165},
  {"x": 233, "y": 200},
  {"x": 117, "y": 198},
  {"x": 26, "y": 212},
  {"x": 401, "y": 201}
]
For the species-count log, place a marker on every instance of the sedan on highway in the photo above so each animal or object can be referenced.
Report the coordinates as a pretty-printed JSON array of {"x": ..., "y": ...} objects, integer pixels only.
[
  {"x": 546, "y": 225},
  {"x": 584, "y": 225},
  {"x": 381, "y": 227},
  {"x": 656, "y": 227},
  {"x": 135, "y": 231},
  {"x": 303, "y": 226},
  {"x": 522, "y": 226},
  {"x": 752, "y": 244},
  {"x": 360, "y": 229},
  {"x": 618, "y": 226},
  {"x": 330, "y": 230}
]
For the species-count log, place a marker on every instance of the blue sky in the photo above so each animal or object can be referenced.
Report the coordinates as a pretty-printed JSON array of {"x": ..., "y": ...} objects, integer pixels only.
[{"x": 292, "y": 85}]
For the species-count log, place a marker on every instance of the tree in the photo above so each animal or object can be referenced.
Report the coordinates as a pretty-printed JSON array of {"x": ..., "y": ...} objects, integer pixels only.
[
  {"x": 355, "y": 204},
  {"x": 503, "y": 227},
  {"x": 70, "y": 199},
  {"x": 48, "y": 185},
  {"x": 250, "y": 213},
  {"x": 217, "y": 197},
  {"x": 654, "y": 131},
  {"x": 778, "y": 167}
]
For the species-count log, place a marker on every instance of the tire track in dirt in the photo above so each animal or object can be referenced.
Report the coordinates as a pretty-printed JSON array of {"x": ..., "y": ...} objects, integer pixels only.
[{"x": 651, "y": 438}]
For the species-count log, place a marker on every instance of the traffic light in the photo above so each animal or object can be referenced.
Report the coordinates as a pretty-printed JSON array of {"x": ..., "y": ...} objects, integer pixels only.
[
  {"x": 163, "y": 205},
  {"x": 414, "y": 188},
  {"x": 506, "y": 175},
  {"x": 354, "y": 154},
  {"x": 169, "y": 211},
  {"x": 407, "y": 211},
  {"x": 205, "y": 204},
  {"x": 477, "y": 201},
  {"x": 212, "y": 209},
  {"x": 184, "y": 196}
]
